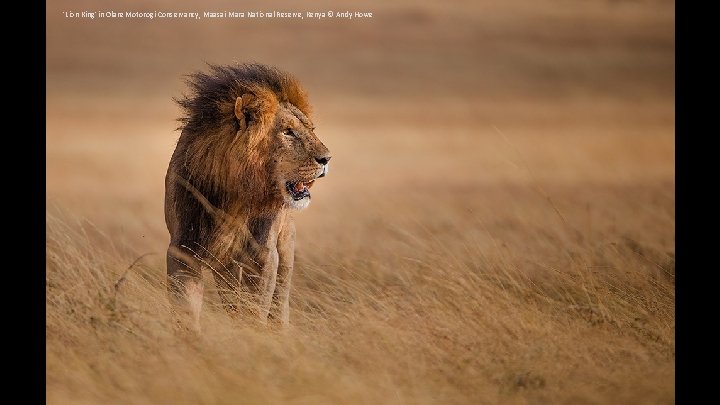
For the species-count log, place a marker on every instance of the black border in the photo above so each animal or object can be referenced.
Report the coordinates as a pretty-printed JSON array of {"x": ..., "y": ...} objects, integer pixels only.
[
  {"x": 693, "y": 306},
  {"x": 23, "y": 314}
]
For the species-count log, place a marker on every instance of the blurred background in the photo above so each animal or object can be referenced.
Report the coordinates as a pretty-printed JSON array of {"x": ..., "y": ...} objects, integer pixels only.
[{"x": 427, "y": 99}]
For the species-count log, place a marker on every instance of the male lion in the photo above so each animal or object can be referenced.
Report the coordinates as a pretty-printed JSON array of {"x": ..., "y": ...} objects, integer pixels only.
[{"x": 246, "y": 158}]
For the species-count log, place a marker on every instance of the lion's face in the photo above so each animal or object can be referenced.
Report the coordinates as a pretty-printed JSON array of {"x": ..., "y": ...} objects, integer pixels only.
[{"x": 300, "y": 157}]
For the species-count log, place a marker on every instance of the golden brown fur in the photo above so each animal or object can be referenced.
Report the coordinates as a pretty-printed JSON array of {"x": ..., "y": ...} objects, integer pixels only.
[{"x": 246, "y": 156}]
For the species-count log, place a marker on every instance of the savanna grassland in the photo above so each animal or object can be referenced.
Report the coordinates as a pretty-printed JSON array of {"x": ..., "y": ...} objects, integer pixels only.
[{"x": 497, "y": 225}]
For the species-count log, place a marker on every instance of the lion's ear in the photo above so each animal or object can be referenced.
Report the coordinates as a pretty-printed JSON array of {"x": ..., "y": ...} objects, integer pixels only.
[{"x": 243, "y": 106}]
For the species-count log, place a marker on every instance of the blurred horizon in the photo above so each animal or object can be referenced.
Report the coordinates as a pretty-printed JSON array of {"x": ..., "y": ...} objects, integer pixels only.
[{"x": 517, "y": 71}]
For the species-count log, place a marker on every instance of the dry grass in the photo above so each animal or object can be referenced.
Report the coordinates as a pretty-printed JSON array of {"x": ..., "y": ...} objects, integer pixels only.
[
  {"x": 502, "y": 232},
  {"x": 455, "y": 308}
]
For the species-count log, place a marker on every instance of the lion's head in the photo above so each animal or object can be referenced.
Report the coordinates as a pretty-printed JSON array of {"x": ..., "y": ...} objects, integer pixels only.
[
  {"x": 298, "y": 155},
  {"x": 247, "y": 140}
]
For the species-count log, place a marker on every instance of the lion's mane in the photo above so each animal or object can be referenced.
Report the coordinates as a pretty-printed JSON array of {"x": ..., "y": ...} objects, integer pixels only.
[{"x": 227, "y": 164}]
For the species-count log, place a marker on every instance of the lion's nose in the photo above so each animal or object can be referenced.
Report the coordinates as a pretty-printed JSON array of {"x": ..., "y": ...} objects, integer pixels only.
[{"x": 323, "y": 160}]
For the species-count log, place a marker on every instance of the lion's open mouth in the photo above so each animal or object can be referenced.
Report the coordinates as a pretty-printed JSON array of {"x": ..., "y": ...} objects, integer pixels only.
[{"x": 299, "y": 189}]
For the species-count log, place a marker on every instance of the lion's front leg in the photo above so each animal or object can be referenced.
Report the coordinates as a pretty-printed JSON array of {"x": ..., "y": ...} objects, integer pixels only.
[
  {"x": 281, "y": 296},
  {"x": 267, "y": 284},
  {"x": 258, "y": 282},
  {"x": 185, "y": 287},
  {"x": 227, "y": 278}
]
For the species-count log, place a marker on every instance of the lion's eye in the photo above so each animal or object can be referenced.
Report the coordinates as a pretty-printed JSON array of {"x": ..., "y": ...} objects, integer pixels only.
[{"x": 289, "y": 132}]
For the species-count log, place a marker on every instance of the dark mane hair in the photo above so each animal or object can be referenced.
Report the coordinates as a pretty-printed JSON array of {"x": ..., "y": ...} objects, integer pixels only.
[{"x": 210, "y": 104}]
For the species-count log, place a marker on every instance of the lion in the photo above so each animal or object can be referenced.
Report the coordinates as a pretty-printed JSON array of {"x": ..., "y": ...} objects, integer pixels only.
[{"x": 245, "y": 161}]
